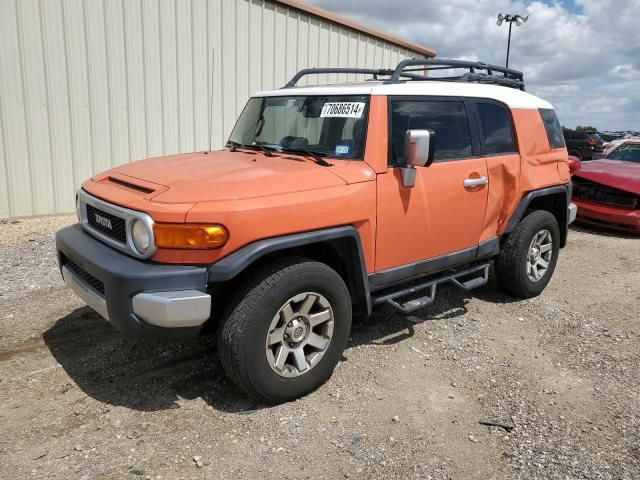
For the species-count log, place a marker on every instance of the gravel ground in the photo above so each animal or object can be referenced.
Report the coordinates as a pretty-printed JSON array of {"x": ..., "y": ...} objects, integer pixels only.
[{"x": 558, "y": 373}]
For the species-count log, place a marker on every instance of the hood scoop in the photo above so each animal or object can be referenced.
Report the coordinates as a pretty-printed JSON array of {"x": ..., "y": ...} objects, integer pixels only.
[{"x": 131, "y": 184}]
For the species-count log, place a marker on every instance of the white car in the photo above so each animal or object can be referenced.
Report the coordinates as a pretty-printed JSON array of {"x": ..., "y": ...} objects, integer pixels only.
[{"x": 612, "y": 145}]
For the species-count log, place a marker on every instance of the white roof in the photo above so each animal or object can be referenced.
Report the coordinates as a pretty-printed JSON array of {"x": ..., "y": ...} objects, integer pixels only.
[{"x": 512, "y": 97}]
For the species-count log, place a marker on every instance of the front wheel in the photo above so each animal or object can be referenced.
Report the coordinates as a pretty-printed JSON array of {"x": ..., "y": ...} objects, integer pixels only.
[
  {"x": 528, "y": 257},
  {"x": 286, "y": 330}
]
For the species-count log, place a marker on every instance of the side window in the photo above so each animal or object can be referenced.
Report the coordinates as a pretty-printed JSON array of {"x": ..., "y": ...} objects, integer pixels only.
[
  {"x": 447, "y": 119},
  {"x": 495, "y": 127},
  {"x": 552, "y": 126}
]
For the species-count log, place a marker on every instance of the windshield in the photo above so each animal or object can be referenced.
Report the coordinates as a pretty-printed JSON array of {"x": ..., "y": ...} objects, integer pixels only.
[
  {"x": 629, "y": 152},
  {"x": 333, "y": 126}
]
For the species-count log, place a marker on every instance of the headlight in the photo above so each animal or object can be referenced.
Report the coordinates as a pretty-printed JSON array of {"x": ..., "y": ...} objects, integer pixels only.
[{"x": 141, "y": 236}]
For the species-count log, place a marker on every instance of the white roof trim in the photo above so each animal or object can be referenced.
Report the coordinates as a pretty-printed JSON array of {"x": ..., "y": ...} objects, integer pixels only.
[{"x": 512, "y": 97}]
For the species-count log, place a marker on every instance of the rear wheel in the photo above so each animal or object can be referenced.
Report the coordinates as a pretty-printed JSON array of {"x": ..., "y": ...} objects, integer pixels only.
[
  {"x": 528, "y": 257},
  {"x": 286, "y": 330},
  {"x": 576, "y": 153}
]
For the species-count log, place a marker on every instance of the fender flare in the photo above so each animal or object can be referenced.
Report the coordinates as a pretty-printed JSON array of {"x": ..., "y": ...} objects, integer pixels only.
[
  {"x": 524, "y": 204},
  {"x": 235, "y": 263}
]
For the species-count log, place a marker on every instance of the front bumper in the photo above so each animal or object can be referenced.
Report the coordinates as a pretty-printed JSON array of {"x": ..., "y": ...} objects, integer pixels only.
[
  {"x": 619, "y": 219},
  {"x": 135, "y": 296}
]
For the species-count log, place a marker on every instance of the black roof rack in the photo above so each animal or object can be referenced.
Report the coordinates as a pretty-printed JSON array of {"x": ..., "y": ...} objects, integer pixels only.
[
  {"x": 376, "y": 72},
  {"x": 414, "y": 69},
  {"x": 478, "y": 72}
]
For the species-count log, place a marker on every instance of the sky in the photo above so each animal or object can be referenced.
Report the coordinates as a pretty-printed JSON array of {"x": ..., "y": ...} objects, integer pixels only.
[{"x": 583, "y": 56}]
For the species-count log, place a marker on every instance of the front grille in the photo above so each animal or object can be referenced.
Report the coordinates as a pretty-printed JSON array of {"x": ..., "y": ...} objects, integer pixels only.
[
  {"x": 107, "y": 224},
  {"x": 85, "y": 276},
  {"x": 597, "y": 193}
]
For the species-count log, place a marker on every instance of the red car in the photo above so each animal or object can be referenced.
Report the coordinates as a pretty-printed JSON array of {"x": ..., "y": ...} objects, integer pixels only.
[{"x": 607, "y": 191}]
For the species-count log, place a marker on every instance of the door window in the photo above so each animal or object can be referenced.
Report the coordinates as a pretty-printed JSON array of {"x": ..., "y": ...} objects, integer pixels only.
[{"x": 447, "y": 119}]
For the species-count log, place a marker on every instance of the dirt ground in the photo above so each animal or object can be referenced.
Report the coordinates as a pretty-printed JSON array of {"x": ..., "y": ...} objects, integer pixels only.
[{"x": 560, "y": 373}]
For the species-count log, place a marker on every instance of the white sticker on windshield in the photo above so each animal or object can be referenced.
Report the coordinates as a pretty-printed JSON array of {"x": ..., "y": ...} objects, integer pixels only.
[{"x": 343, "y": 109}]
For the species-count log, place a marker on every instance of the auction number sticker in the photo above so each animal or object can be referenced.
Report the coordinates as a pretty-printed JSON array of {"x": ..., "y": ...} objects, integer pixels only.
[{"x": 343, "y": 109}]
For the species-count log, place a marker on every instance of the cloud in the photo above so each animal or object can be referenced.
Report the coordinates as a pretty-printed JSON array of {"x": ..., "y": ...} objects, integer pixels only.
[{"x": 581, "y": 55}]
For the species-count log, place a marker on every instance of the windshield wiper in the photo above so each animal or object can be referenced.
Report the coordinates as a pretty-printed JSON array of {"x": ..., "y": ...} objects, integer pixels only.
[
  {"x": 316, "y": 156},
  {"x": 267, "y": 151},
  {"x": 235, "y": 146}
]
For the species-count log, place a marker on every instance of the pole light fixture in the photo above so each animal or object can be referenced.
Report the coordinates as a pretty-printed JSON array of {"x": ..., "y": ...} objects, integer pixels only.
[{"x": 511, "y": 19}]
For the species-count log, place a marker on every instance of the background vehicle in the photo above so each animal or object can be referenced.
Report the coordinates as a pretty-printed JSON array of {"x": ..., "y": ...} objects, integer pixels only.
[
  {"x": 612, "y": 145},
  {"x": 607, "y": 191},
  {"x": 610, "y": 137},
  {"x": 574, "y": 164},
  {"x": 584, "y": 145},
  {"x": 328, "y": 201}
]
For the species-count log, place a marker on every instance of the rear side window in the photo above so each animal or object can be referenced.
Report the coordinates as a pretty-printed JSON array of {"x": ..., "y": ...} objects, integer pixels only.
[
  {"x": 578, "y": 135},
  {"x": 495, "y": 129},
  {"x": 448, "y": 120},
  {"x": 552, "y": 126}
]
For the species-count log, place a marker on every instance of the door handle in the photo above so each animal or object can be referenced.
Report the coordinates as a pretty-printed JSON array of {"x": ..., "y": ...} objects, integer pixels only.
[{"x": 475, "y": 182}]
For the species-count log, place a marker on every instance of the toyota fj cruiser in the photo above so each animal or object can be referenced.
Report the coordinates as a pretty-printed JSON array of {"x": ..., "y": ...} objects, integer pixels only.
[{"x": 327, "y": 201}]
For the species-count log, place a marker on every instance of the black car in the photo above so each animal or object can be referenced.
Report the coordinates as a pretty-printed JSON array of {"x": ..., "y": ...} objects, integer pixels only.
[
  {"x": 584, "y": 145},
  {"x": 609, "y": 137}
]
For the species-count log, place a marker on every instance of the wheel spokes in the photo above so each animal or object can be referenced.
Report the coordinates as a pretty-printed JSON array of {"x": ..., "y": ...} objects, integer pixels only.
[
  {"x": 300, "y": 334},
  {"x": 281, "y": 356},
  {"x": 316, "y": 319},
  {"x": 539, "y": 255},
  {"x": 287, "y": 313},
  {"x": 277, "y": 336},
  {"x": 305, "y": 308},
  {"x": 299, "y": 359},
  {"x": 317, "y": 341}
]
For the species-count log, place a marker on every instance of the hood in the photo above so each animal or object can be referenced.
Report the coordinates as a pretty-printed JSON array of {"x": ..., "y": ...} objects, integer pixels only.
[
  {"x": 613, "y": 173},
  {"x": 225, "y": 175}
]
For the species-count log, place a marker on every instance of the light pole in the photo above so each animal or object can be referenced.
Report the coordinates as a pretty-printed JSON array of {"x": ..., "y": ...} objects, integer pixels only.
[{"x": 518, "y": 19}]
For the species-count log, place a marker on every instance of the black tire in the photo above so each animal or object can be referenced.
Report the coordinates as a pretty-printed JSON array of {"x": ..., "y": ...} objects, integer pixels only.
[
  {"x": 244, "y": 328},
  {"x": 576, "y": 153},
  {"x": 511, "y": 265}
]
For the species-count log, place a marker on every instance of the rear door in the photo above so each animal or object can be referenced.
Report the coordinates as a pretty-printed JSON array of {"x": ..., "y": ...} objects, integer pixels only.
[{"x": 442, "y": 214}]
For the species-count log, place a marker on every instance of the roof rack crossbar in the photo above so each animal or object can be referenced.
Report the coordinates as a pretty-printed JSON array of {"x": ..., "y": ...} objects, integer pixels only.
[
  {"x": 376, "y": 72},
  {"x": 509, "y": 78},
  {"x": 417, "y": 68},
  {"x": 318, "y": 71}
]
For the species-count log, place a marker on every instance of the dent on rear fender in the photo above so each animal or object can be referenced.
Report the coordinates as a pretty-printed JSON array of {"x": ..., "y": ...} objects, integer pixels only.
[
  {"x": 563, "y": 171},
  {"x": 503, "y": 193}
]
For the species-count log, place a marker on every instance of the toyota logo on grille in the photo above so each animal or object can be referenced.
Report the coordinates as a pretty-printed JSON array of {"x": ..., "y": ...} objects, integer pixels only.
[{"x": 105, "y": 222}]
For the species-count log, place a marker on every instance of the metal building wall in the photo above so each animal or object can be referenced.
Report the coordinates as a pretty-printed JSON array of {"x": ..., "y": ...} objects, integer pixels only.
[{"x": 89, "y": 84}]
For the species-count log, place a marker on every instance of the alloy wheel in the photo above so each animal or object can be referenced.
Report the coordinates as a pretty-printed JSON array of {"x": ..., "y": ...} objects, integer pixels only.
[
  {"x": 539, "y": 255},
  {"x": 300, "y": 334}
]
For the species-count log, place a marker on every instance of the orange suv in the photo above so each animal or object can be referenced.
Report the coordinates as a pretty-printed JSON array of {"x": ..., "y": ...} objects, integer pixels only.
[{"x": 327, "y": 201}]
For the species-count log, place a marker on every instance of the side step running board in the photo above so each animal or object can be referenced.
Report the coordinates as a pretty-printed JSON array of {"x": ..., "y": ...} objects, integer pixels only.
[{"x": 410, "y": 306}]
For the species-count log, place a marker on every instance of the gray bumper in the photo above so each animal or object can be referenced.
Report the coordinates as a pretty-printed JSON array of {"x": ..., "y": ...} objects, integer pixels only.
[
  {"x": 135, "y": 296},
  {"x": 573, "y": 212}
]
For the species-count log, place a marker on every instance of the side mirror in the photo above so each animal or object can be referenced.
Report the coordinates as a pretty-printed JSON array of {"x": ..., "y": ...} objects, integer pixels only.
[{"x": 418, "y": 152}]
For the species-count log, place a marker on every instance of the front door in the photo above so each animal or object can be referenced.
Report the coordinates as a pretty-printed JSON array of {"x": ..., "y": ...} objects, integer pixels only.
[{"x": 444, "y": 212}]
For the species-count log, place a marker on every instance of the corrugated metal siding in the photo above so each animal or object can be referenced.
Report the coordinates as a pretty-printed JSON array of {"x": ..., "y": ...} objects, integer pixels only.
[{"x": 89, "y": 84}]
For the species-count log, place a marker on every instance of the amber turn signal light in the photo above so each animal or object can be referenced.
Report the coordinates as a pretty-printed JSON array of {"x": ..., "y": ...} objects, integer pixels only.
[{"x": 189, "y": 236}]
